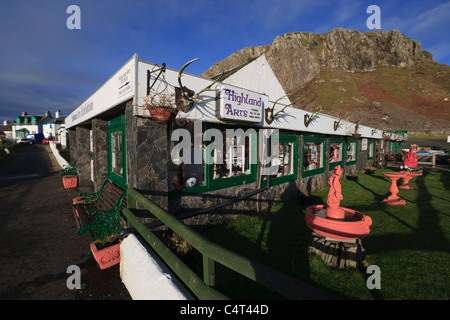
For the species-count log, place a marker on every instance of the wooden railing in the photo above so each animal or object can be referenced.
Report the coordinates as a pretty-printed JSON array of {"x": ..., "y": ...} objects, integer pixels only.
[{"x": 212, "y": 253}]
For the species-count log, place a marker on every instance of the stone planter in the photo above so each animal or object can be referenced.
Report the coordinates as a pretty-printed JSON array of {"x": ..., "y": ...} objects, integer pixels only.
[
  {"x": 106, "y": 256},
  {"x": 70, "y": 181}
]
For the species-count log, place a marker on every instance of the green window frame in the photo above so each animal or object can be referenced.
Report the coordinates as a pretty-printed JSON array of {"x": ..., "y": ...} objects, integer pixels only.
[
  {"x": 371, "y": 147},
  {"x": 284, "y": 139},
  {"x": 117, "y": 151},
  {"x": 211, "y": 184},
  {"x": 342, "y": 151},
  {"x": 314, "y": 142},
  {"x": 349, "y": 149}
]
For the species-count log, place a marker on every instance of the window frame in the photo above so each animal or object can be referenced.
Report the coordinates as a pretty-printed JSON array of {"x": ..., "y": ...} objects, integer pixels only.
[
  {"x": 114, "y": 125},
  {"x": 348, "y": 142},
  {"x": 332, "y": 165},
  {"x": 210, "y": 183},
  {"x": 322, "y": 169},
  {"x": 371, "y": 144},
  {"x": 287, "y": 138}
]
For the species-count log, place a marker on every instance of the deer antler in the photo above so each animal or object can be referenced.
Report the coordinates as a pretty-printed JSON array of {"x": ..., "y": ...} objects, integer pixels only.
[
  {"x": 195, "y": 98},
  {"x": 337, "y": 124},
  {"x": 282, "y": 110}
]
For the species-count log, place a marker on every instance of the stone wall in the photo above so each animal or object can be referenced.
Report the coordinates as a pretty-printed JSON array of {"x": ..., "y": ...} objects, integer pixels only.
[
  {"x": 80, "y": 152},
  {"x": 100, "y": 148},
  {"x": 148, "y": 157}
]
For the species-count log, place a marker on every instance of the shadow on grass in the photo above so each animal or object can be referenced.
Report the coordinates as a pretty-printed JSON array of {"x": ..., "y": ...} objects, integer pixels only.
[{"x": 279, "y": 239}]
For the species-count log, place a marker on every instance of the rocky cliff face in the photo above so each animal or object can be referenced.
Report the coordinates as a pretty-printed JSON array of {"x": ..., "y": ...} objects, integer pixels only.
[{"x": 304, "y": 62}]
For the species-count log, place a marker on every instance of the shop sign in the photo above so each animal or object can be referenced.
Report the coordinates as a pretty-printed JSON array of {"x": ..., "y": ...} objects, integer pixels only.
[{"x": 240, "y": 105}]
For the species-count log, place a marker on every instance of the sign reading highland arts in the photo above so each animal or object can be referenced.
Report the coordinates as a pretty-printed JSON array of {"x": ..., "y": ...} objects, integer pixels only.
[{"x": 240, "y": 105}]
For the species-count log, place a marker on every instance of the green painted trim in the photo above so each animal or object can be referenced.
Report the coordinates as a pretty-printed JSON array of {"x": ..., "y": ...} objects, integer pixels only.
[
  {"x": 349, "y": 163},
  {"x": 292, "y": 177},
  {"x": 223, "y": 183},
  {"x": 210, "y": 183},
  {"x": 332, "y": 165},
  {"x": 309, "y": 173},
  {"x": 114, "y": 125}
]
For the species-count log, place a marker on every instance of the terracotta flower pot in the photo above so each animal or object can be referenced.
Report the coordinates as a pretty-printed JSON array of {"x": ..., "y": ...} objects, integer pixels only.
[
  {"x": 106, "y": 257},
  {"x": 70, "y": 181},
  {"x": 162, "y": 114}
]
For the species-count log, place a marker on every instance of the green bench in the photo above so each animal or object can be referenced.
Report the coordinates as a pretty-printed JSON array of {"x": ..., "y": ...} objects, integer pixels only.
[{"x": 99, "y": 212}]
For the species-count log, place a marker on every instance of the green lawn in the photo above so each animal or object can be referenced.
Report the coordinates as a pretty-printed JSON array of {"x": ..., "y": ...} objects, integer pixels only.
[{"x": 410, "y": 244}]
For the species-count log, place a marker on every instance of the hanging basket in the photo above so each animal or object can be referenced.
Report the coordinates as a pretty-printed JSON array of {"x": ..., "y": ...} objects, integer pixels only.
[{"x": 162, "y": 114}]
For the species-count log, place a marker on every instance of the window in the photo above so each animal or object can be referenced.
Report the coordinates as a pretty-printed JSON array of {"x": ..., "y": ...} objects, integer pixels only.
[
  {"x": 234, "y": 163},
  {"x": 238, "y": 155},
  {"x": 336, "y": 152},
  {"x": 117, "y": 152},
  {"x": 352, "y": 151},
  {"x": 371, "y": 150},
  {"x": 314, "y": 156},
  {"x": 187, "y": 175},
  {"x": 286, "y": 162}
]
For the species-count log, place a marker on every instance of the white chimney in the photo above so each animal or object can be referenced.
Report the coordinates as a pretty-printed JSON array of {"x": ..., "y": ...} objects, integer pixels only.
[
  {"x": 57, "y": 114},
  {"x": 5, "y": 122}
]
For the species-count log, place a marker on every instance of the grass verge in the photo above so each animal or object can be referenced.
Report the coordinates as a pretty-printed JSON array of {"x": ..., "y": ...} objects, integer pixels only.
[{"x": 409, "y": 243}]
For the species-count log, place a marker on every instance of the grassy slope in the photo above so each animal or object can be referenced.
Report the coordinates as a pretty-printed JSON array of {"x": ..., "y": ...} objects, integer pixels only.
[{"x": 421, "y": 89}]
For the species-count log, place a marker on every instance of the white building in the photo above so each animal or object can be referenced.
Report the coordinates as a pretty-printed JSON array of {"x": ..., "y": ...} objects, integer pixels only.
[
  {"x": 50, "y": 129},
  {"x": 26, "y": 124}
]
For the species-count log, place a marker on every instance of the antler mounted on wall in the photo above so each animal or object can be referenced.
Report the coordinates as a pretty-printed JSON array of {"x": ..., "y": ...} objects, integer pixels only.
[
  {"x": 313, "y": 116},
  {"x": 185, "y": 97},
  {"x": 337, "y": 124},
  {"x": 270, "y": 116}
]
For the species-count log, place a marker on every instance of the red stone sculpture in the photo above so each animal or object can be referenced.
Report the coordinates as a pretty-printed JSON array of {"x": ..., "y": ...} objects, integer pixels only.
[
  {"x": 335, "y": 196},
  {"x": 410, "y": 159},
  {"x": 337, "y": 223}
]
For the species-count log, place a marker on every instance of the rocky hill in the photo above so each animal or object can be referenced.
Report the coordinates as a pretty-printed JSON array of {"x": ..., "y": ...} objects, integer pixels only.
[{"x": 380, "y": 79}]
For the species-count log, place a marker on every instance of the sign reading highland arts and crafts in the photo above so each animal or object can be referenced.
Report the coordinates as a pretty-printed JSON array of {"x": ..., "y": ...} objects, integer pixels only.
[{"x": 240, "y": 105}]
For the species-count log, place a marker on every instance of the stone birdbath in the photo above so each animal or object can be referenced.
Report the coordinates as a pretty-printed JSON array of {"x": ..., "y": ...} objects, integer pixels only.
[
  {"x": 408, "y": 176},
  {"x": 337, "y": 231},
  {"x": 333, "y": 221},
  {"x": 393, "y": 198}
]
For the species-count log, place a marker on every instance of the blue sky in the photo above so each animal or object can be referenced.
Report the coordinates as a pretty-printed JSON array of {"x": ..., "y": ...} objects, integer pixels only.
[{"x": 46, "y": 66}]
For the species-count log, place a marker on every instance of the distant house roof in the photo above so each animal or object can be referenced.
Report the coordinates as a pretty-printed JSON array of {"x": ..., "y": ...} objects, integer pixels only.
[
  {"x": 38, "y": 119},
  {"x": 59, "y": 120}
]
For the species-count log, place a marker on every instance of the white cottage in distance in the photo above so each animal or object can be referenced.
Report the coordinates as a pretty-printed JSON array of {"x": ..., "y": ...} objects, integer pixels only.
[
  {"x": 27, "y": 124},
  {"x": 51, "y": 128}
]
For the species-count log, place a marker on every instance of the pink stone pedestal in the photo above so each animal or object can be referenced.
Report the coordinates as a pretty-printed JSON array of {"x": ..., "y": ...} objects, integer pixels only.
[
  {"x": 408, "y": 176},
  {"x": 393, "y": 199}
]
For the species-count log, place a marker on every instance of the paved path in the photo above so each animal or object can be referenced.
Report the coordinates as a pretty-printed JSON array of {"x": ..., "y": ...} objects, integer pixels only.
[{"x": 38, "y": 239}]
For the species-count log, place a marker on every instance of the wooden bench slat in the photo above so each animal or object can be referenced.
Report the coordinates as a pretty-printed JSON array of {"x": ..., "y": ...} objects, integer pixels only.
[{"x": 106, "y": 204}]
